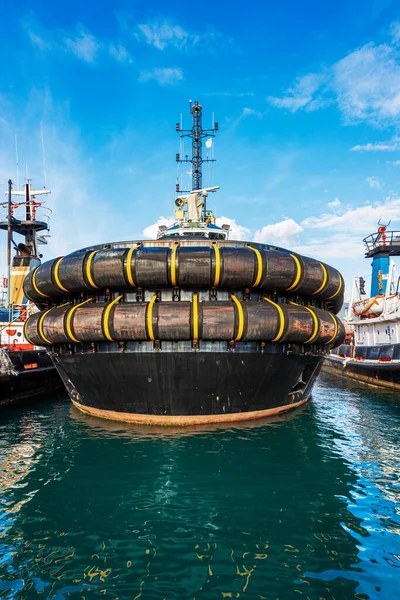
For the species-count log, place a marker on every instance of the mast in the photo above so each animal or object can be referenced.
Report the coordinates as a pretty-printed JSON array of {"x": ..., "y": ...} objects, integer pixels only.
[
  {"x": 196, "y": 134},
  {"x": 28, "y": 226},
  {"x": 191, "y": 214},
  {"x": 9, "y": 238}
]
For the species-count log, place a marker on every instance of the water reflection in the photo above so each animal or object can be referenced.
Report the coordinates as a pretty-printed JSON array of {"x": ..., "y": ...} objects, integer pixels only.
[
  {"x": 366, "y": 427},
  {"x": 301, "y": 505}
]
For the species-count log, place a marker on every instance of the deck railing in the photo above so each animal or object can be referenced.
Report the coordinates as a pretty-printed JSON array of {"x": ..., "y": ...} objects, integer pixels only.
[{"x": 379, "y": 240}]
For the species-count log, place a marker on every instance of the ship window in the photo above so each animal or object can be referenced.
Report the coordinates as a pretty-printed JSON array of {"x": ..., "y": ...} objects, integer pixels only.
[{"x": 217, "y": 236}]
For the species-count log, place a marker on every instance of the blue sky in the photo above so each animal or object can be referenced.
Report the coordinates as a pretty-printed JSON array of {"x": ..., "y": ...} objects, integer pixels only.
[{"x": 307, "y": 97}]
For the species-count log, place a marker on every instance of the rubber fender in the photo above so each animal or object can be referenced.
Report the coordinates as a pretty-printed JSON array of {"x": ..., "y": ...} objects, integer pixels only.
[
  {"x": 232, "y": 320},
  {"x": 186, "y": 267}
]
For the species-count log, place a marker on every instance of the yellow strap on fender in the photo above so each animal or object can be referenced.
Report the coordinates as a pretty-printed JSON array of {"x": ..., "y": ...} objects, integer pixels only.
[
  {"x": 106, "y": 314},
  {"x": 173, "y": 264},
  {"x": 195, "y": 313},
  {"x": 240, "y": 318},
  {"x": 69, "y": 318},
  {"x": 129, "y": 265},
  {"x": 334, "y": 319},
  {"x": 217, "y": 265},
  {"x": 88, "y": 273},
  {"x": 339, "y": 288},
  {"x": 298, "y": 274},
  {"x": 316, "y": 325},
  {"x": 259, "y": 266},
  {"x": 150, "y": 317},
  {"x": 40, "y": 327},
  {"x": 281, "y": 319},
  {"x": 325, "y": 278},
  {"x": 34, "y": 284},
  {"x": 56, "y": 277}
]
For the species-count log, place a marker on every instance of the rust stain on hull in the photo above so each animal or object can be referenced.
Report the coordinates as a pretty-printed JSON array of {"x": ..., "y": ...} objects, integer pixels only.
[{"x": 185, "y": 420}]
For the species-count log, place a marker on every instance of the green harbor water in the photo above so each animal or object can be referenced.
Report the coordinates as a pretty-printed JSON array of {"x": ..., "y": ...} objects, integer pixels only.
[{"x": 305, "y": 505}]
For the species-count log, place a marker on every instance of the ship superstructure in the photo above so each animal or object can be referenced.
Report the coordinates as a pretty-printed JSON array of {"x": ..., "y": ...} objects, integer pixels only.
[
  {"x": 25, "y": 368},
  {"x": 193, "y": 217},
  {"x": 372, "y": 351}
]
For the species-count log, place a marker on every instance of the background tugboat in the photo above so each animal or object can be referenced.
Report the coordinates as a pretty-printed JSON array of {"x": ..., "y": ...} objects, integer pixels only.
[
  {"x": 190, "y": 328},
  {"x": 372, "y": 353},
  {"x": 25, "y": 369}
]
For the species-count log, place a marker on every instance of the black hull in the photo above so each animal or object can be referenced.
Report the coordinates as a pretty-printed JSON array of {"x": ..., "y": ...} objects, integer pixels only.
[
  {"x": 380, "y": 372},
  {"x": 29, "y": 381},
  {"x": 179, "y": 388}
]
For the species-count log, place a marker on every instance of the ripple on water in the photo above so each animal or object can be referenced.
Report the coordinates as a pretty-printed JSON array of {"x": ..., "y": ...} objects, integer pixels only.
[{"x": 305, "y": 504}]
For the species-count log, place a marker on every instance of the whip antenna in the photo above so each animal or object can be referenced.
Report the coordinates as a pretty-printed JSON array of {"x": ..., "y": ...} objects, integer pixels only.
[
  {"x": 44, "y": 155},
  {"x": 16, "y": 158}
]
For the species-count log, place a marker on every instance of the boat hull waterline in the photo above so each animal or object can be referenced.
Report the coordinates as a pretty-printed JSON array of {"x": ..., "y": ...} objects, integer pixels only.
[
  {"x": 31, "y": 374},
  {"x": 179, "y": 389},
  {"x": 184, "y": 332},
  {"x": 374, "y": 365}
]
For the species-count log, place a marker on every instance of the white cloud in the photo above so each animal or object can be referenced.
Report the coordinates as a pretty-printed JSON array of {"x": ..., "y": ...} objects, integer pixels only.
[
  {"x": 83, "y": 45},
  {"x": 31, "y": 28},
  {"x": 374, "y": 182},
  {"x": 246, "y": 112},
  {"x": 229, "y": 94},
  {"x": 396, "y": 163},
  {"x": 365, "y": 85},
  {"x": 251, "y": 112},
  {"x": 120, "y": 53},
  {"x": 166, "y": 34},
  {"x": 166, "y": 76},
  {"x": 337, "y": 239},
  {"x": 38, "y": 41},
  {"x": 301, "y": 94},
  {"x": 150, "y": 232},
  {"x": 377, "y": 147},
  {"x": 238, "y": 232},
  {"x": 334, "y": 204},
  {"x": 161, "y": 35},
  {"x": 340, "y": 247},
  {"x": 359, "y": 220},
  {"x": 395, "y": 32},
  {"x": 282, "y": 233}
]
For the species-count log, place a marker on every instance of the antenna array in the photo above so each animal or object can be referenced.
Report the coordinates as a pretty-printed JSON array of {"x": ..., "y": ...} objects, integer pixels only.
[{"x": 197, "y": 134}]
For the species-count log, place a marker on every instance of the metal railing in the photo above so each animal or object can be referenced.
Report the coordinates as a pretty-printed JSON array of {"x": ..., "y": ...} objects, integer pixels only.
[
  {"x": 380, "y": 240},
  {"x": 41, "y": 213}
]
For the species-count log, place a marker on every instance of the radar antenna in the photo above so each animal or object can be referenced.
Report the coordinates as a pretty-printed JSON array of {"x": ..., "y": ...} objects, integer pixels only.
[{"x": 197, "y": 135}]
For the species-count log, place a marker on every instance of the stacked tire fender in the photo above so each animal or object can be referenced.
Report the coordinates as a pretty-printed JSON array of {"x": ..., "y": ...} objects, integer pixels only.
[{"x": 182, "y": 290}]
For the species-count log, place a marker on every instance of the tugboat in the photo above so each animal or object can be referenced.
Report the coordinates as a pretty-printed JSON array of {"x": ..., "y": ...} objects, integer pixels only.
[
  {"x": 371, "y": 353},
  {"x": 189, "y": 328},
  {"x": 26, "y": 370}
]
